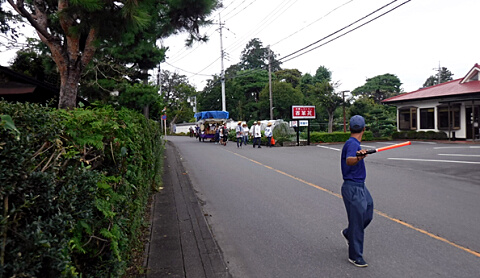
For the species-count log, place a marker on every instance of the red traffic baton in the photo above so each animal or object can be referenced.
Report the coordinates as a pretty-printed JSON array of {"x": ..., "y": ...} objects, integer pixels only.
[{"x": 386, "y": 148}]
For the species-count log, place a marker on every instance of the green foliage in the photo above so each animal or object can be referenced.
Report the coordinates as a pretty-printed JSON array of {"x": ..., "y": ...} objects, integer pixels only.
[
  {"x": 322, "y": 75},
  {"x": 321, "y": 137},
  {"x": 35, "y": 61},
  {"x": 247, "y": 97},
  {"x": 137, "y": 96},
  {"x": 320, "y": 91},
  {"x": 232, "y": 136},
  {"x": 255, "y": 56},
  {"x": 291, "y": 76},
  {"x": 380, "y": 119},
  {"x": 444, "y": 75},
  {"x": 284, "y": 95},
  {"x": 5, "y": 17},
  {"x": 176, "y": 90},
  {"x": 282, "y": 133},
  {"x": 379, "y": 87},
  {"x": 77, "y": 183},
  {"x": 125, "y": 32},
  {"x": 242, "y": 89},
  {"x": 7, "y": 123}
]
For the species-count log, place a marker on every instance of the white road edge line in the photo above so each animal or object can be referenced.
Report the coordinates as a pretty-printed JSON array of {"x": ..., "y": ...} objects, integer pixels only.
[
  {"x": 465, "y": 155},
  {"x": 435, "y": 160},
  {"x": 469, "y": 147},
  {"x": 369, "y": 146},
  {"x": 330, "y": 148}
]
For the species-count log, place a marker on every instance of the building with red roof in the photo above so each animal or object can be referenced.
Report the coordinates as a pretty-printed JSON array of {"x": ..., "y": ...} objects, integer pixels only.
[{"x": 452, "y": 107}]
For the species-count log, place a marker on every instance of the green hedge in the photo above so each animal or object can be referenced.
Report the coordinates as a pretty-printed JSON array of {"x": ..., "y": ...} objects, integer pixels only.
[
  {"x": 321, "y": 137},
  {"x": 428, "y": 135},
  {"x": 75, "y": 185}
]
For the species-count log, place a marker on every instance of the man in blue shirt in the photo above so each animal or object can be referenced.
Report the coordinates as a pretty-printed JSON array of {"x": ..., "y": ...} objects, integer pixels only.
[{"x": 356, "y": 197}]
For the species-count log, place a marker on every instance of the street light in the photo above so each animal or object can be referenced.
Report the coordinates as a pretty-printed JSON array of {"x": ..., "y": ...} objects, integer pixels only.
[
  {"x": 193, "y": 102},
  {"x": 344, "y": 119}
]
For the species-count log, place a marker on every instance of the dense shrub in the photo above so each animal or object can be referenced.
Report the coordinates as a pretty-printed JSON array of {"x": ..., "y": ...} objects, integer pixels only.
[
  {"x": 282, "y": 133},
  {"x": 321, "y": 137},
  {"x": 74, "y": 188},
  {"x": 428, "y": 135},
  {"x": 440, "y": 136}
]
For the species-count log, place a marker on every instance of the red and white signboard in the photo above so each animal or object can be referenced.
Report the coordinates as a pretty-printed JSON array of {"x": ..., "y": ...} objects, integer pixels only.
[{"x": 303, "y": 112}]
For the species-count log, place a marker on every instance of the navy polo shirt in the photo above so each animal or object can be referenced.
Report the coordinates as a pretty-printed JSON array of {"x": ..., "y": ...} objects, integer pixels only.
[{"x": 356, "y": 173}]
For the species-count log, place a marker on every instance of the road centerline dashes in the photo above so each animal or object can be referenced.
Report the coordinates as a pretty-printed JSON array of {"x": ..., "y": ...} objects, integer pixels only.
[{"x": 398, "y": 221}]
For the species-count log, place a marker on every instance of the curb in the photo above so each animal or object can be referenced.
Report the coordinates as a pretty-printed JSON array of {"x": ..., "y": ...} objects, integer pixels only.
[{"x": 181, "y": 242}]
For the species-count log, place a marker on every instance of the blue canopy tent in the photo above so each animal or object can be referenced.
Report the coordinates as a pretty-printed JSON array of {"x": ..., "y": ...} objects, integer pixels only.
[
  {"x": 207, "y": 118},
  {"x": 211, "y": 115}
]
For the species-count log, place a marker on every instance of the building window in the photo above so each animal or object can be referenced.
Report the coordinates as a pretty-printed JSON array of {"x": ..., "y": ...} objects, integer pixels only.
[
  {"x": 427, "y": 118},
  {"x": 408, "y": 118},
  {"x": 443, "y": 117}
]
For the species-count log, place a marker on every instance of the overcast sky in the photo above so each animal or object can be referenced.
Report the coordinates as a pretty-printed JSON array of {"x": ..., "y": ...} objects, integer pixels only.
[{"x": 410, "y": 41}]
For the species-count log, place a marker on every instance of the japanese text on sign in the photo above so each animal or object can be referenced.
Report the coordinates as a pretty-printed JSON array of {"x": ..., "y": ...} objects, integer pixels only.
[{"x": 303, "y": 112}]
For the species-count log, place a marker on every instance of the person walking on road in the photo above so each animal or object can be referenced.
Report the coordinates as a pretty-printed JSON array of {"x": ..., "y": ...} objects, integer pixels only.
[
  {"x": 269, "y": 134},
  {"x": 245, "y": 134},
  {"x": 356, "y": 197},
  {"x": 220, "y": 134},
  {"x": 217, "y": 134},
  {"x": 225, "y": 134},
  {"x": 239, "y": 134},
  {"x": 257, "y": 134}
]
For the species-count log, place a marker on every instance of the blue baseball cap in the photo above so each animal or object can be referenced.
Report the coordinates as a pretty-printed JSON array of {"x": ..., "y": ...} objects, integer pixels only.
[{"x": 357, "y": 122}]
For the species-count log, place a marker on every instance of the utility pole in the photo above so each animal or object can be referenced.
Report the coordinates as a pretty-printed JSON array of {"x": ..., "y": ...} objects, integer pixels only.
[
  {"x": 159, "y": 84},
  {"x": 222, "y": 73},
  {"x": 270, "y": 80},
  {"x": 159, "y": 79},
  {"x": 344, "y": 119},
  {"x": 439, "y": 73},
  {"x": 193, "y": 102}
]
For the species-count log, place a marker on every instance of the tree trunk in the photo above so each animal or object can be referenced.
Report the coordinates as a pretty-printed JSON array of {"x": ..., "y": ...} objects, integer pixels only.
[
  {"x": 330, "y": 122},
  {"x": 146, "y": 111},
  {"x": 146, "y": 108},
  {"x": 66, "y": 50},
  {"x": 172, "y": 122},
  {"x": 69, "y": 87}
]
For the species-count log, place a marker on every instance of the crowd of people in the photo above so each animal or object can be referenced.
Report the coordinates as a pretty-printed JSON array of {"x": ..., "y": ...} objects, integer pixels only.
[{"x": 243, "y": 134}]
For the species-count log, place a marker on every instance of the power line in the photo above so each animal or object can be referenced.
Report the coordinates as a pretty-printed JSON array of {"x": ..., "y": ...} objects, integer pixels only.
[
  {"x": 341, "y": 34},
  {"x": 240, "y": 10},
  {"x": 277, "y": 10},
  {"x": 340, "y": 31},
  {"x": 184, "y": 49},
  {"x": 327, "y": 14},
  {"x": 244, "y": 73},
  {"x": 295, "y": 52},
  {"x": 181, "y": 54},
  {"x": 256, "y": 29},
  {"x": 234, "y": 8},
  {"x": 186, "y": 70}
]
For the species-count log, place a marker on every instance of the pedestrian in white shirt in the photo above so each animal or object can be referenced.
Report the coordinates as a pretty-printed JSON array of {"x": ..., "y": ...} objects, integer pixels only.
[
  {"x": 257, "y": 134},
  {"x": 239, "y": 134},
  {"x": 245, "y": 134},
  {"x": 269, "y": 134}
]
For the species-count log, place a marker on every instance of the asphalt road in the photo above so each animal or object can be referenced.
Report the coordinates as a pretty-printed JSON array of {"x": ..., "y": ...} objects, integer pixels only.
[{"x": 277, "y": 212}]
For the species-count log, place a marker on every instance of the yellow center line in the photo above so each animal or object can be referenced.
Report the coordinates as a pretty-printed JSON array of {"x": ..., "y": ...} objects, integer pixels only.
[{"x": 398, "y": 221}]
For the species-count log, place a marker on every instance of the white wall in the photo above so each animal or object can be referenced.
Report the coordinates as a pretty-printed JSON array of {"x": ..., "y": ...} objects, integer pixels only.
[
  {"x": 460, "y": 133},
  {"x": 184, "y": 128}
]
